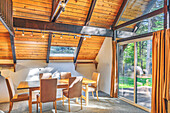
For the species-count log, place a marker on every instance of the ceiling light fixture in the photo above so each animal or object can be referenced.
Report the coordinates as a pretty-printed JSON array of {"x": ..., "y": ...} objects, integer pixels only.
[
  {"x": 42, "y": 34},
  {"x": 61, "y": 36},
  {"x": 63, "y": 5},
  {"x": 22, "y": 33},
  {"x": 53, "y": 35},
  {"x": 32, "y": 33}
]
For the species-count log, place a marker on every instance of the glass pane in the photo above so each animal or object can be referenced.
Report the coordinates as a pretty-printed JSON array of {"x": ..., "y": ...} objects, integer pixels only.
[
  {"x": 138, "y": 8},
  {"x": 144, "y": 73},
  {"x": 58, "y": 51},
  {"x": 126, "y": 71},
  {"x": 152, "y": 24}
]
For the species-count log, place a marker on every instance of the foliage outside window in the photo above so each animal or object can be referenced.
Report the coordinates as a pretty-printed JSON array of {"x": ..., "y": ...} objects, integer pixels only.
[
  {"x": 152, "y": 24},
  {"x": 59, "y": 51},
  {"x": 143, "y": 72}
]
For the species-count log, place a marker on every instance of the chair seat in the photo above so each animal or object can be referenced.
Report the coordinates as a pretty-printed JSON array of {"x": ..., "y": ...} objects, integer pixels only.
[
  {"x": 20, "y": 97},
  {"x": 90, "y": 88}
]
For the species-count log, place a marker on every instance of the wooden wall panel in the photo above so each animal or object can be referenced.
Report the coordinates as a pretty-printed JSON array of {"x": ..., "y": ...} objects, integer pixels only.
[
  {"x": 90, "y": 48},
  {"x": 32, "y": 9},
  {"x": 31, "y": 47}
]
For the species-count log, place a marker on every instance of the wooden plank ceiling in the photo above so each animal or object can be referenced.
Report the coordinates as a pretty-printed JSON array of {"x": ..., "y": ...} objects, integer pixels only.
[{"x": 35, "y": 47}]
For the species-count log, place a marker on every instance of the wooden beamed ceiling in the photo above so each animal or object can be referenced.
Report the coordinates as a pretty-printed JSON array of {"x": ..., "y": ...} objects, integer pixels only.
[
  {"x": 102, "y": 12},
  {"x": 35, "y": 47},
  {"x": 97, "y": 13}
]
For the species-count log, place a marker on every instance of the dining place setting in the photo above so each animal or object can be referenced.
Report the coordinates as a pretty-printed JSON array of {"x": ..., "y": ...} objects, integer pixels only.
[{"x": 47, "y": 86}]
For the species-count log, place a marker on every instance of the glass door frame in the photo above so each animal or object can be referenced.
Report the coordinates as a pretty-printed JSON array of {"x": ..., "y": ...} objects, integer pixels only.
[{"x": 134, "y": 102}]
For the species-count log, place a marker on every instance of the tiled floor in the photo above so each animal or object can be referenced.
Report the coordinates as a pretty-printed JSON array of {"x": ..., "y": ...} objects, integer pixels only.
[{"x": 104, "y": 105}]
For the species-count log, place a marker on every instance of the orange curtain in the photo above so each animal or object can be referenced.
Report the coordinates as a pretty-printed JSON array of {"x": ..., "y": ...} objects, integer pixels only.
[
  {"x": 114, "y": 73},
  {"x": 160, "y": 71},
  {"x": 166, "y": 94}
]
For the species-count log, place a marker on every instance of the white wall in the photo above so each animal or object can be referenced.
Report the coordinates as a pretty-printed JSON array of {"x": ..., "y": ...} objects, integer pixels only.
[
  {"x": 104, "y": 59},
  {"x": 29, "y": 69}
]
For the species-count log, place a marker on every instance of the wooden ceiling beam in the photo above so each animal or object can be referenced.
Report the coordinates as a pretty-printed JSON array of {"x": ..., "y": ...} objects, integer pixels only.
[
  {"x": 6, "y": 14},
  {"x": 87, "y": 22},
  {"x": 13, "y": 48},
  {"x": 78, "y": 49},
  {"x": 49, "y": 47},
  {"x": 59, "y": 27},
  {"x": 149, "y": 15},
  {"x": 56, "y": 10},
  {"x": 120, "y": 12}
]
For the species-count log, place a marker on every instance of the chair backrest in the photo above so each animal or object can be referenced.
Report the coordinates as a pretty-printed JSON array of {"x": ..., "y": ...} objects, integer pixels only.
[
  {"x": 10, "y": 87},
  {"x": 45, "y": 75},
  {"x": 65, "y": 75},
  {"x": 75, "y": 87},
  {"x": 95, "y": 77},
  {"x": 48, "y": 90}
]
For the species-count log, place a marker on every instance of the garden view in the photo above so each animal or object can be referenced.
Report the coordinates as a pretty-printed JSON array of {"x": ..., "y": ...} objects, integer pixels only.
[{"x": 141, "y": 52}]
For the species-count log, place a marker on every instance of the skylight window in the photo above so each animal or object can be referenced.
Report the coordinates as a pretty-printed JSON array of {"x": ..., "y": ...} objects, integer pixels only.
[{"x": 59, "y": 51}]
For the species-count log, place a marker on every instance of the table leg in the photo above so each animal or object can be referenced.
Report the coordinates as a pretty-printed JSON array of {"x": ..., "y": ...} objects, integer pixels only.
[
  {"x": 30, "y": 100},
  {"x": 87, "y": 95}
]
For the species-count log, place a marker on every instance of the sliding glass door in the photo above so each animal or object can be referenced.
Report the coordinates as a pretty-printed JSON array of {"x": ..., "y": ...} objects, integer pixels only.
[
  {"x": 135, "y": 72},
  {"x": 126, "y": 71}
]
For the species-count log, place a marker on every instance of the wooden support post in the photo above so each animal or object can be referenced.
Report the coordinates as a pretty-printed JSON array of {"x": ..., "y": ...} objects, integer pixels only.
[
  {"x": 49, "y": 46},
  {"x": 78, "y": 49},
  {"x": 13, "y": 48},
  {"x": 93, "y": 3},
  {"x": 165, "y": 14},
  {"x": 135, "y": 77},
  {"x": 169, "y": 106}
]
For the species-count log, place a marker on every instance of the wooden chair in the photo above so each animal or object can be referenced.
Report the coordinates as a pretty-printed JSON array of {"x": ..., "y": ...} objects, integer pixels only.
[
  {"x": 47, "y": 93},
  {"x": 14, "y": 97},
  {"x": 94, "y": 86},
  {"x": 65, "y": 75},
  {"x": 74, "y": 90}
]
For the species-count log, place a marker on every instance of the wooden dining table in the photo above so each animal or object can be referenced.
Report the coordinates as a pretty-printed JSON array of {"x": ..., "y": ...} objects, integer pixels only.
[{"x": 61, "y": 83}]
